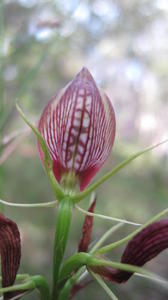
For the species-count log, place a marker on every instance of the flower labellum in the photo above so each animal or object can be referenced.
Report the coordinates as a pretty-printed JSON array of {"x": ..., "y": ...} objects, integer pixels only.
[{"x": 78, "y": 126}]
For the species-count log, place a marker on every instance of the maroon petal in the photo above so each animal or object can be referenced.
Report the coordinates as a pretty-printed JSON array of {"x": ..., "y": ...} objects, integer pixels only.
[
  {"x": 78, "y": 126},
  {"x": 10, "y": 250},
  {"x": 147, "y": 244},
  {"x": 87, "y": 230}
]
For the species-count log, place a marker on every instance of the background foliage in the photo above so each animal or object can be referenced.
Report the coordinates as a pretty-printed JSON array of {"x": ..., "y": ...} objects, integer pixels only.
[{"x": 43, "y": 44}]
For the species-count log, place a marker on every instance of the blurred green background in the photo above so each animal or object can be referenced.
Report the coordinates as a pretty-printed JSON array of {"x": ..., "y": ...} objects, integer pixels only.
[{"x": 124, "y": 44}]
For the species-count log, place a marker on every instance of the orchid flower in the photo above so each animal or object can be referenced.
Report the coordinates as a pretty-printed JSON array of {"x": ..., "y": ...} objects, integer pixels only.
[
  {"x": 78, "y": 126},
  {"x": 75, "y": 136}
]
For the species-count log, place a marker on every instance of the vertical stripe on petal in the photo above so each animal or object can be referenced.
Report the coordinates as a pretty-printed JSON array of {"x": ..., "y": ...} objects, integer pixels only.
[{"x": 78, "y": 126}]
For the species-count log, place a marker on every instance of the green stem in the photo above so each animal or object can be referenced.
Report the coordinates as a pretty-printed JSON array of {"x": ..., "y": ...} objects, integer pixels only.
[
  {"x": 28, "y": 285},
  {"x": 19, "y": 277},
  {"x": 42, "y": 286},
  {"x": 74, "y": 262},
  {"x": 61, "y": 236},
  {"x": 65, "y": 292},
  {"x": 76, "y": 198},
  {"x": 33, "y": 282}
]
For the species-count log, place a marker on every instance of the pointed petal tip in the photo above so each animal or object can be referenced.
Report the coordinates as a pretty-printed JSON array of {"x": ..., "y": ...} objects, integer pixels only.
[
  {"x": 85, "y": 74},
  {"x": 84, "y": 70}
]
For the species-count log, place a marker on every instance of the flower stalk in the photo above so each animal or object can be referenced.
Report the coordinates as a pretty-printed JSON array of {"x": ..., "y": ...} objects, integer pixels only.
[
  {"x": 61, "y": 236},
  {"x": 42, "y": 286}
]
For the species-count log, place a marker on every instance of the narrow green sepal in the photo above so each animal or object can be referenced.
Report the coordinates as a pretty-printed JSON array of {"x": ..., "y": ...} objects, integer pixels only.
[
  {"x": 110, "y": 247},
  {"x": 47, "y": 159},
  {"x": 78, "y": 197}
]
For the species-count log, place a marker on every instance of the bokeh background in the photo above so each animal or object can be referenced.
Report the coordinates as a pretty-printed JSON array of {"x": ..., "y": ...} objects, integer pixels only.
[{"x": 124, "y": 43}]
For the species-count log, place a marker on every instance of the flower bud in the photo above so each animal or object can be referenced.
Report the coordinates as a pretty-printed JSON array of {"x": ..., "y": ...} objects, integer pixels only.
[
  {"x": 10, "y": 251},
  {"x": 78, "y": 126}
]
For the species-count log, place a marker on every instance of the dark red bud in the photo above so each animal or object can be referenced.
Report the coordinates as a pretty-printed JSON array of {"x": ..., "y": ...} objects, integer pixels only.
[
  {"x": 10, "y": 250},
  {"x": 78, "y": 126}
]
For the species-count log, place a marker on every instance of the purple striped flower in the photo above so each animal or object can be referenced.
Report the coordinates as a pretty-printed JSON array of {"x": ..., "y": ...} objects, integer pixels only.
[{"x": 78, "y": 126}]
